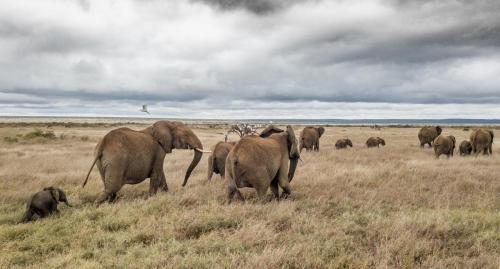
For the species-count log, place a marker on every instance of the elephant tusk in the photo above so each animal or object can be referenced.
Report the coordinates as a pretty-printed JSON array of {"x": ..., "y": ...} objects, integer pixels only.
[{"x": 203, "y": 151}]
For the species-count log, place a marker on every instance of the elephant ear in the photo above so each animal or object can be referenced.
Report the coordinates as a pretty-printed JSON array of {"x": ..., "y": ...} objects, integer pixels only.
[
  {"x": 453, "y": 139},
  {"x": 54, "y": 192},
  {"x": 439, "y": 130},
  {"x": 162, "y": 134},
  {"x": 293, "y": 151},
  {"x": 492, "y": 135},
  {"x": 271, "y": 129},
  {"x": 320, "y": 130}
]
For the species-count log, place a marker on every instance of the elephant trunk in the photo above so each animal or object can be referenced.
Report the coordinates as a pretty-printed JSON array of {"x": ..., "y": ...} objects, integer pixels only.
[
  {"x": 196, "y": 159},
  {"x": 293, "y": 166}
]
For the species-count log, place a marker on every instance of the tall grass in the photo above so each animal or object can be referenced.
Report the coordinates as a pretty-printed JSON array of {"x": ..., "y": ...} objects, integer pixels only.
[{"x": 388, "y": 207}]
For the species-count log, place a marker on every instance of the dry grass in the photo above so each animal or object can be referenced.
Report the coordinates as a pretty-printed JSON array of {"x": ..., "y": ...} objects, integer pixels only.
[{"x": 392, "y": 207}]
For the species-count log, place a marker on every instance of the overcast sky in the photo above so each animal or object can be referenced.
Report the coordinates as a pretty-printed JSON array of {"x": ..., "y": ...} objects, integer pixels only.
[{"x": 251, "y": 58}]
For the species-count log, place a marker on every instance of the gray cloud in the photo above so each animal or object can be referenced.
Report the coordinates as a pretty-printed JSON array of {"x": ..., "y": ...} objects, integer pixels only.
[{"x": 276, "y": 53}]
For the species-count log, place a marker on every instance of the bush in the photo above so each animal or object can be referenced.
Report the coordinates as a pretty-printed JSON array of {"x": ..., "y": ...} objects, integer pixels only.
[
  {"x": 39, "y": 133},
  {"x": 10, "y": 140}
]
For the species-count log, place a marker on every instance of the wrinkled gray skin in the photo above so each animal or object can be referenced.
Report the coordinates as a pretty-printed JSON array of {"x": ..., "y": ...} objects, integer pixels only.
[
  {"x": 444, "y": 145},
  {"x": 125, "y": 156},
  {"x": 261, "y": 162},
  {"x": 375, "y": 142},
  {"x": 309, "y": 138},
  {"x": 428, "y": 134},
  {"x": 343, "y": 143},
  {"x": 217, "y": 160},
  {"x": 44, "y": 203},
  {"x": 465, "y": 148},
  {"x": 482, "y": 140}
]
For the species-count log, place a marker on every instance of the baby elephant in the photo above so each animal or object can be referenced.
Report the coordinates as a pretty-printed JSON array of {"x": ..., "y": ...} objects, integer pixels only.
[
  {"x": 375, "y": 142},
  {"x": 44, "y": 202},
  {"x": 343, "y": 143},
  {"x": 465, "y": 148},
  {"x": 444, "y": 145}
]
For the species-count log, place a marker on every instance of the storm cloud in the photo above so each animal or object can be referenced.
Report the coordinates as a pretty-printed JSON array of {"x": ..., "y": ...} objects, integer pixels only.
[{"x": 262, "y": 58}]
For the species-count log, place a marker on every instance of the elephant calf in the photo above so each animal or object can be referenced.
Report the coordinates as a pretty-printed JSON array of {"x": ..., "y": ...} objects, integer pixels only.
[
  {"x": 217, "y": 160},
  {"x": 444, "y": 145},
  {"x": 44, "y": 202},
  {"x": 343, "y": 143},
  {"x": 465, "y": 148},
  {"x": 375, "y": 142}
]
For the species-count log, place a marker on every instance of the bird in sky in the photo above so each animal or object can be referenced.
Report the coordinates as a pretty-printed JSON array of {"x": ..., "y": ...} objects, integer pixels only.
[{"x": 144, "y": 109}]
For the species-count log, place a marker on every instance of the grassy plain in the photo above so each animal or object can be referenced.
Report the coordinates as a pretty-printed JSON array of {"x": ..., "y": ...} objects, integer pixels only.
[{"x": 389, "y": 207}]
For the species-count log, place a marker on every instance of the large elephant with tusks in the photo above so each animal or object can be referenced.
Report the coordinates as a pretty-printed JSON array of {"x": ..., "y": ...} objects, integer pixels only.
[{"x": 125, "y": 156}]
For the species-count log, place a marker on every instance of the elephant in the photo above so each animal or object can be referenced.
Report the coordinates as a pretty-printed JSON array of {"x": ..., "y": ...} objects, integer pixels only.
[
  {"x": 444, "y": 145},
  {"x": 428, "y": 134},
  {"x": 126, "y": 156},
  {"x": 343, "y": 143},
  {"x": 482, "y": 140},
  {"x": 264, "y": 161},
  {"x": 44, "y": 202},
  {"x": 465, "y": 148},
  {"x": 375, "y": 142},
  {"x": 217, "y": 160},
  {"x": 309, "y": 138}
]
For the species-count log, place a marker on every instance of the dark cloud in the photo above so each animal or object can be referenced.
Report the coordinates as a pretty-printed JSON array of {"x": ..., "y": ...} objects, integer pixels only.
[{"x": 259, "y": 7}]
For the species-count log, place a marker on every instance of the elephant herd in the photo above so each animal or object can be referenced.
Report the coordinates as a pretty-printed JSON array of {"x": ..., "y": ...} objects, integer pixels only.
[
  {"x": 481, "y": 140},
  {"x": 268, "y": 160}
]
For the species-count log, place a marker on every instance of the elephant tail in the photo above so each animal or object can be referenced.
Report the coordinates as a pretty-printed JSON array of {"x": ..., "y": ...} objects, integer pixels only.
[{"x": 90, "y": 170}]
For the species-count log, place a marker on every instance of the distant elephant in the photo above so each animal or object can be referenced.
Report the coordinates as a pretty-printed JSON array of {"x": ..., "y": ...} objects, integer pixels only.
[
  {"x": 375, "y": 142},
  {"x": 444, "y": 145},
  {"x": 343, "y": 143},
  {"x": 217, "y": 160},
  {"x": 465, "y": 148},
  {"x": 126, "y": 156},
  {"x": 428, "y": 134},
  {"x": 309, "y": 138},
  {"x": 264, "y": 161},
  {"x": 44, "y": 202},
  {"x": 482, "y": 140}
]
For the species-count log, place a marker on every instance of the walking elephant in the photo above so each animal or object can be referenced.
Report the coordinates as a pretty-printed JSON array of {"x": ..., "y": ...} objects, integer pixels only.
[
  {"x": 343, "y": 143},
  {"x": 217, "y": 160},
  {"x": 375, "y": 142},
  {"x": 482, "y": 140},
  {"x": 126, "y": 156},
  {"x": 465, "y": 148},
  {"x": 261, "y": 162},
  {"x": 444, "y": 145},
  {"x": 309, "y": 138},
  {"x": 428, "y": 134}
]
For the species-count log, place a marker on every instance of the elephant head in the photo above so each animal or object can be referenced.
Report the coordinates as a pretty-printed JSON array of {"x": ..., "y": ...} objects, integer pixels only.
[
  {"x": 271, "y": 129},
  {"x": 380, "y": 141},
  {"x": 438, "y": 130},
  {"x": 293, "y": 152},
  {"x": 320, "y": 130},
  {"x": 348, "y": 142},
  {"x": 176, "y": 135},
  {"x": 58, "y": 195}
]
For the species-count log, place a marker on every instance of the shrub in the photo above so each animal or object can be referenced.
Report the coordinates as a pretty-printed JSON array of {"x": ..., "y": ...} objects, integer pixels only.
[
  {"x": 10, "y": 140},
  {"x": 39, "y": 133}
]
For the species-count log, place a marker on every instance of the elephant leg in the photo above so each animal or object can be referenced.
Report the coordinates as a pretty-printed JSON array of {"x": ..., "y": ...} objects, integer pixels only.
[
  {"x": 231, "y": 191},
  {"x": 316, "y": 147},
  {"x": 490, "y": 148},
  {"x": 112, "y": 184},
  {"x": 261, "y": 192},
  {"x": 275, "y": 189},
  {"x": 284, "y": 183},
  {"x": 163, "y": 183},
  {"x": 210, "y": 167}
]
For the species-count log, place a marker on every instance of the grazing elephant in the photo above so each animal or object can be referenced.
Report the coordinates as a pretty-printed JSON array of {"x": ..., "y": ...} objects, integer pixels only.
[
  {"x": 343, "y": 143},
  {"x": 465, "y": 148},
  {"x": 261, "y": 162},
  {"x": 217, "y": 160},
  {"x": 482, "y": 140},
  {"x": 375, "y": 142},
  {"x": 444, "y": 145},
  {"x": 44, "y": 202},
  {"x": 428, "y": 134},
  {"x": 125, "y": 156},
  {"x": 309, "y": 138}
]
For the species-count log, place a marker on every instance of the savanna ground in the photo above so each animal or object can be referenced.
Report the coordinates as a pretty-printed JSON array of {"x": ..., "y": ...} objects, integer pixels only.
[{"x": 388, "y": 207}]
